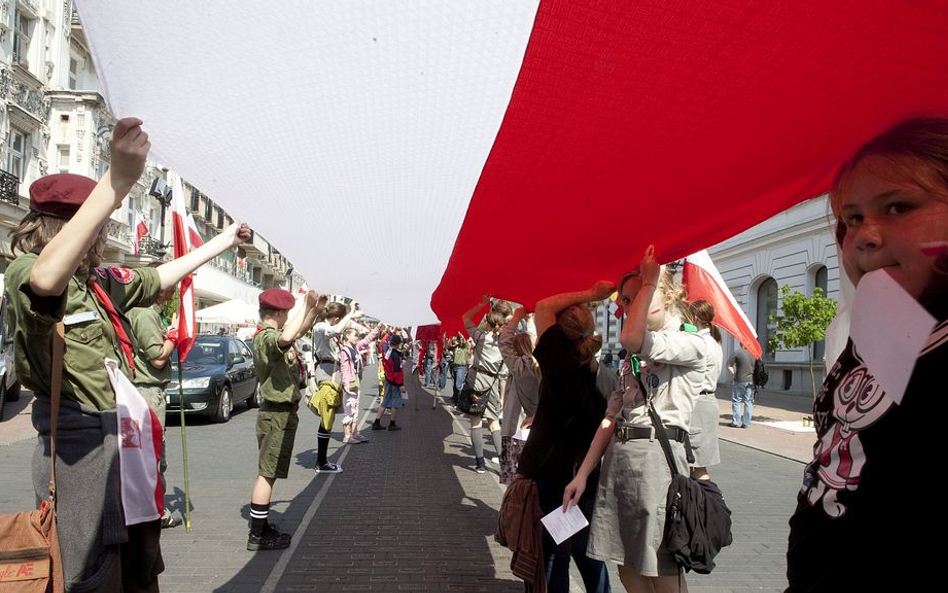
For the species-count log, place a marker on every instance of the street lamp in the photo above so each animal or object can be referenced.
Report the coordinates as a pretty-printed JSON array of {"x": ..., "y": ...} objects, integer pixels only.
[{"x": 161, "y": 192}]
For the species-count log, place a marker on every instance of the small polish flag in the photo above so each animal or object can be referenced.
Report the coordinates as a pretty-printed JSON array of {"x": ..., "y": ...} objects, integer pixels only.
[
  {"x": 141, "y": 231},
  {"x": 187, "y": 326},
  {"x": 140, "y": 438},
  {"x": 704, "y": 282}
]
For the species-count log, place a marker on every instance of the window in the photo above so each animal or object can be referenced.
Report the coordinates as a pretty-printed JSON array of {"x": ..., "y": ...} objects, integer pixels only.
[
  {"x": 73, "y": 73},
  {"x": 63, "y": 158},
  {"x": 821, "y": 282},
  {"x": 23, "y": 27},
  {"x": 766, "y": 306},
  {"x": 134, "y": 207},
  {"x": 17, "y": 152}
]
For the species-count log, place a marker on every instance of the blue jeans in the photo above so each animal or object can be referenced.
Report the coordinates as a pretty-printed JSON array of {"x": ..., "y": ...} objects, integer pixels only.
[
  {"x": 443, "y": 377},
  {"x": 429, "y": 369},
  {"x": 742, "y": 393},
  {"x": 594, "y": 573},
  {"x": 460, "y": 374}
]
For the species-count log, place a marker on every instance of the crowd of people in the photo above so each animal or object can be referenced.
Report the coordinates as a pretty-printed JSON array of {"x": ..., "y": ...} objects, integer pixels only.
[{"x": 564, "y": 428}]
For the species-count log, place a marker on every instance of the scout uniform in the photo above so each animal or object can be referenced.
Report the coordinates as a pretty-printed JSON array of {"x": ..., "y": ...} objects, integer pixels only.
[
  {"x": 89, "y": 510},
  {"x": 280, "y": 372}
]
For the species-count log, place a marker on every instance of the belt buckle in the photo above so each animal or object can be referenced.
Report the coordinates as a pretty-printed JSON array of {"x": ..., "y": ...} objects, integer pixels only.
[{"x": 620, "y": 430}]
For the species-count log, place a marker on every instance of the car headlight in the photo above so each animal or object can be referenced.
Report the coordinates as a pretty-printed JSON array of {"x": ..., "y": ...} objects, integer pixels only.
[{"x": 196, "y": 383}]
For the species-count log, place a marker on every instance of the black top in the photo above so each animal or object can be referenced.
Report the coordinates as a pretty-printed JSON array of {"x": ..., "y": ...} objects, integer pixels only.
[
  {"x": 867, "y": 502},
  {"x": 569, "y": 412}
]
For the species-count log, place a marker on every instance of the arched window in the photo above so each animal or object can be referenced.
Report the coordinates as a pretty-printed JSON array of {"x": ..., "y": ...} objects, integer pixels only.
[
  {"x": 820, "y": 281},
  {"x": 766, "y": 306}
]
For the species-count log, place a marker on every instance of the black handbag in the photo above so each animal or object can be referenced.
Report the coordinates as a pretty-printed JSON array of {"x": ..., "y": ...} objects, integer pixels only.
[
  {"x": 697, "y": 520},
  {"x": 473, "y": 402}
]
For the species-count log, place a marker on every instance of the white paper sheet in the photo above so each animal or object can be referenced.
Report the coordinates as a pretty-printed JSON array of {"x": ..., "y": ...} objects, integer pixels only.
[
  {"x": 349, "y": 134},
  {"x": 889, "y": 329},
  {"x": 563, "y": 524},
  {"x": 522, "y": 434}
]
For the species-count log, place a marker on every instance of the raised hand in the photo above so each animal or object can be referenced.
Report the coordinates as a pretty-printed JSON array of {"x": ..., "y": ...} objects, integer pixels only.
[
  {"x": 602, "y": 289},
  {"x": 649, "y": 268},
  {"x": 129, "y": 144}
]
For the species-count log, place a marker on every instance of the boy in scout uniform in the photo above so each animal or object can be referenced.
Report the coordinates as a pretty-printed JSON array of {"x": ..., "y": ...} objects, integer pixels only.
[
  {"x": 57, "y": 279},
  {"x": 281, "y": 373},
  {"x": 153, "y": 349}
]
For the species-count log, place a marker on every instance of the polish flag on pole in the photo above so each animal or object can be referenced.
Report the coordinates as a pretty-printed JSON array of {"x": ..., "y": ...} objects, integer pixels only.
[
  {"x": 704, "y": 282},
  {"x": 187, "y": 328},
  {"x": 141, "y": 231},
  {"x": 194, "y": 237}
]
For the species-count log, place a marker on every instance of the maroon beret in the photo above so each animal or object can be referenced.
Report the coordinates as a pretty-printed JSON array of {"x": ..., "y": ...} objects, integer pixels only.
[
  {"x": 60, "y": 194},
  {"x": 277, "y": 298}
]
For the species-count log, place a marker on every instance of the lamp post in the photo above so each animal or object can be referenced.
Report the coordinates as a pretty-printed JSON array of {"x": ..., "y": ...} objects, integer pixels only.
[{"x": 161, "y": 192}]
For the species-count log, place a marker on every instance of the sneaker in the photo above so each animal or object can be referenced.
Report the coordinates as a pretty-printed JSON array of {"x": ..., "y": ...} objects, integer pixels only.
[
  {"x": 495, "y": 460},
  {"x": 377, "y": 425},
  {"x": 170, "y": 520},
  {"x": 328, "y": 468},
  {"x": 270, "y": 540},
  {"x": 358, "y": 439},
  {"x": 481, "y": 467},
  {"x": 347, "y": 440},
  {"x": 393, "y": 426}
]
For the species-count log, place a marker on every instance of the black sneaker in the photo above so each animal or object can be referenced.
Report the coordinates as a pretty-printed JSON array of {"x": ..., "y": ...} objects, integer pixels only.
[
  {"x": 328, "y": 468},
  {"x": 393, "y": 426},
  {"x": 481, "y": 467},
  {"x": 270, "y": 540},
  {"x": 377, "y": 425}
]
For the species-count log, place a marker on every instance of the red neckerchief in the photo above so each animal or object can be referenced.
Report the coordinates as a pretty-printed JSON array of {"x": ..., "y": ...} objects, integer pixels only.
[{"x": 124, "y": 341}]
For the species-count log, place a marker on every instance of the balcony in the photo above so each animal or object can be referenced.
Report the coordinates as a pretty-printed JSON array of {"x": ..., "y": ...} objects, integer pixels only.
[
  {"x": 153, "y": 247},
  {"x": 9, "y": 188}
]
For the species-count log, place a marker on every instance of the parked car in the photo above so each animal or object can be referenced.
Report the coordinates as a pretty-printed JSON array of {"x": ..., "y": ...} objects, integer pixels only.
[
  {"x": 218, "y": 373},
  {"x": 9, "y": 385}
]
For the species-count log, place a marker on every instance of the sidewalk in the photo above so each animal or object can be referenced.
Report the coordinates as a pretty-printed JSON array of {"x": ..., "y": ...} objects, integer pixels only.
[{"x": 777, "y": 424}]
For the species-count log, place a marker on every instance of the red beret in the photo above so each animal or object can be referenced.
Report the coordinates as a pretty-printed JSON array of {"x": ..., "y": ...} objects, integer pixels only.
[
  {"x": 277, "y": 298},
  {"x": 60, "y": 194}
]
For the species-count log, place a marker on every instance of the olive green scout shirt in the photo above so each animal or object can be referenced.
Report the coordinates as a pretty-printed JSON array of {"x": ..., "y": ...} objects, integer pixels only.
[
  {"x": 89, "y": 334},
  {"x": 148, "y": 334},
  {"x": 277, "y": 368}
]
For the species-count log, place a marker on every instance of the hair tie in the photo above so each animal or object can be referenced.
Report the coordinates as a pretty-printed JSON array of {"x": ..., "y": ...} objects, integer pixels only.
[{"x": 587, "y": 335}]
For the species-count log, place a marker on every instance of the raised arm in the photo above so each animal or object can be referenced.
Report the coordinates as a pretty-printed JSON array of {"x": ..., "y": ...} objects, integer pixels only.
[
  {"x": 62, "y": 255},
  {"x": 507, "y": 339},
  {"x": 467, "y": 318},
  {"x": 645, "y": 282},
  {"x": 548, "y": 308},
  {"x": 302, "y": 321},
  {"x": 172, "y": 272}
]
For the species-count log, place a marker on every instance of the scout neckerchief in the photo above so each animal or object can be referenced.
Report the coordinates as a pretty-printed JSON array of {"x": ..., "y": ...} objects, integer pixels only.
[
  {"x": 124, "y": 341},
  {"x": 299, "y": 361}
]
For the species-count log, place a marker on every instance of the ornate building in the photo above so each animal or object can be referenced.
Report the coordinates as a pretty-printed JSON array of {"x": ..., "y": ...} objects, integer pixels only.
[{"x": 53, "y": 119}]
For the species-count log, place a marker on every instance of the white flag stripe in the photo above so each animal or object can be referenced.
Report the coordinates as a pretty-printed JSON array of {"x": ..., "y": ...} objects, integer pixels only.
[
  {"x": 138, "y": 453},
  {"x": 384, "y": 109}
]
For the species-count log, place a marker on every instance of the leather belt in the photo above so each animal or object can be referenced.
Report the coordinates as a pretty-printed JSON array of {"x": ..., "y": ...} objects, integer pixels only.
[{"x": 627, "y": 433}]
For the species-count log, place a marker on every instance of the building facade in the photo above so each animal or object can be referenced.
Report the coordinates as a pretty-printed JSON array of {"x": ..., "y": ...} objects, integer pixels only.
[{"x": 54, "y": 120}]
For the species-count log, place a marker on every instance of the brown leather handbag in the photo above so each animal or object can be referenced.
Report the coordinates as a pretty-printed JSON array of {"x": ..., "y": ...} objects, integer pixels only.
[{"x": 30, "y": 561}]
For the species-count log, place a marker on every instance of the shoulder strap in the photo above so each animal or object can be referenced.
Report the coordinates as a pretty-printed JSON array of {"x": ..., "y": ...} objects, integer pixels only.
[
  {"x": 659, "y": 430},
  {"x": 56, "y": 385}
]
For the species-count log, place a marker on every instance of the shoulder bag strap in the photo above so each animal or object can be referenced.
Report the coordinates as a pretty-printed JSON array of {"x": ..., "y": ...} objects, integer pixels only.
[
  {"x": 660, "y": 433},
  {"x": 56, "y": 385}
]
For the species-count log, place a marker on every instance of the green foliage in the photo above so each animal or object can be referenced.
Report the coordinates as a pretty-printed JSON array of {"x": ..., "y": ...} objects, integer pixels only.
[
  {"x": 803, "y": 321},
  {"x": 169, "y": 308}
]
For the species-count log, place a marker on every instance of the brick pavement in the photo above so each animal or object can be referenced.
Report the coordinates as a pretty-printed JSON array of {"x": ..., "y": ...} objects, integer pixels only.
[{"x": 407, "y": 514}]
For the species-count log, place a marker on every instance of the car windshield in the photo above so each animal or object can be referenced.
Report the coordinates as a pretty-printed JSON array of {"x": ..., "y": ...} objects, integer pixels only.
[{"x": 205, "y": 352}]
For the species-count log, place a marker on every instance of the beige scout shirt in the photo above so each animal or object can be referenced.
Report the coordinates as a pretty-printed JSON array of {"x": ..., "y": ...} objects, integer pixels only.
[
  {"x": 278, "y": 369},
  {"x": 673, "y": 372},
  {"x": 90, "y": 338}
]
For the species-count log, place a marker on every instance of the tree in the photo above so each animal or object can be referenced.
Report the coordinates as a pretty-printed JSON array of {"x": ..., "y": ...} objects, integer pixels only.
[
  {"x": 169, "y": 308},
  {"x": 802, "y": 323}
]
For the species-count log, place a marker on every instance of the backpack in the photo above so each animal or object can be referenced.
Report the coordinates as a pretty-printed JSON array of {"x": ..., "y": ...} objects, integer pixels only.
[{"x": 761, "y": 376}]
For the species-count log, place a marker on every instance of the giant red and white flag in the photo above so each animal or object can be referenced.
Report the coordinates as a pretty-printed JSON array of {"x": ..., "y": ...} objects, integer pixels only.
[
  {"x": 194, "y": 236},
  {"x": 703, "y": 282},
  {"x": 444, "y": 150},
  {"x": 187, "y": 327}
]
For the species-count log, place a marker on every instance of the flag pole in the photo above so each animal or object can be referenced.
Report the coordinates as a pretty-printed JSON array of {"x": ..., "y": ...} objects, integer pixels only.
[{"x": 184, "y": 448}]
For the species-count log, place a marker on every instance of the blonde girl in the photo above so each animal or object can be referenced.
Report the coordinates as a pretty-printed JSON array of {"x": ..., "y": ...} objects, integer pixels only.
[{"x": 629, "y": 519}]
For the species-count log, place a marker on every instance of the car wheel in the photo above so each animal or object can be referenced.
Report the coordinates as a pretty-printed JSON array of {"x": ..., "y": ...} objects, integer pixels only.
[
  {"x": 255, "y": 399},
  {"x": 225, "y": 405}
]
